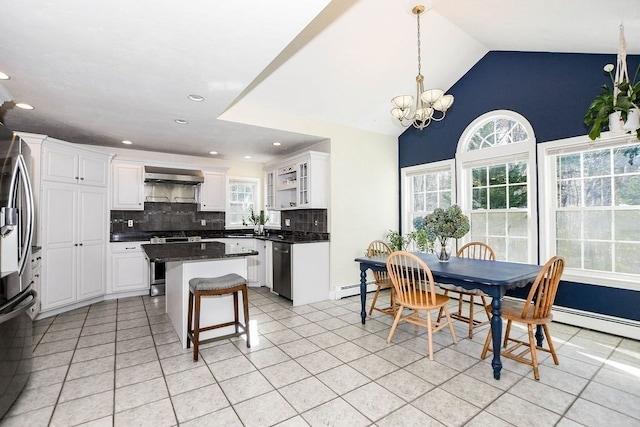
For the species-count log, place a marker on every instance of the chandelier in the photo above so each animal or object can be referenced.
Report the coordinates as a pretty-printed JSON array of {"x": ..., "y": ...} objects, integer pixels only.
[{"x": 431, "y": 104}]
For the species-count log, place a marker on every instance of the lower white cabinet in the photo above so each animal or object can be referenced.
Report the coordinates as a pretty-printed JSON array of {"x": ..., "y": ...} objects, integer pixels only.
[
  {"x": 129, "y": 267},
  {"x": 254, "y": 263},
  {"x": 268, "y": 264},
  {"x": 74, "y": 236},
  {"x": 309, "y": 272}
]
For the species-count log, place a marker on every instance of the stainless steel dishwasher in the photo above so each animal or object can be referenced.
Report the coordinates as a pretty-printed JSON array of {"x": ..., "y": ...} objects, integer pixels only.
[{"x": 282, "y": 269}]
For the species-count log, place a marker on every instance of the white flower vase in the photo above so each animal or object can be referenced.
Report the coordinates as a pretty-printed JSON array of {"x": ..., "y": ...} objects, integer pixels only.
[
  {"x": 615, "y": 122},
  {"x": 443, "y": 249},
  {"x": 633, "y": 120},
  {"x": 256, "y": 228}
]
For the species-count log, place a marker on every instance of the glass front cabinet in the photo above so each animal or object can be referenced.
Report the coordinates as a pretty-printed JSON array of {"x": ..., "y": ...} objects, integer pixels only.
[{"x": 298, "y": 182}]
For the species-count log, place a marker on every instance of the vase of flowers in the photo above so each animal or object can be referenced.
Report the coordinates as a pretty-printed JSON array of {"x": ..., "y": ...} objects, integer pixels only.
[{"x": 445, "y": 225}]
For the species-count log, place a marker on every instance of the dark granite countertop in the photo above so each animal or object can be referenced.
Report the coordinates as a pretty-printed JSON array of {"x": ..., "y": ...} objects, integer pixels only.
[
  {"x": 274, "y": 235},
  {"x": 169, "y": 252}
]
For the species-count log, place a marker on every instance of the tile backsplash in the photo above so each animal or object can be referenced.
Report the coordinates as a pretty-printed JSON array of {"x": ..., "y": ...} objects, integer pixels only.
[
  {"x": 304, "y": 220},
  {"x": 159, "y": 216}
]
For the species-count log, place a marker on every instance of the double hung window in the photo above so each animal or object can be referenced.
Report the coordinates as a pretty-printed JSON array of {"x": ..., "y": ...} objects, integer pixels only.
[{"x": 496, "y": 164}]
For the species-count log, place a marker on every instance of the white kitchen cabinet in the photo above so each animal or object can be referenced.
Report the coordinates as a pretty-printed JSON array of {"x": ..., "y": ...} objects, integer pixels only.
[
  {"x": 128, "y": 187},
  {"x": 212, "y": 192},
  {"x": 302, "y": 182},
  {"x": 61, "y": 162},
  {"x": 129, "y": 267},
  {"x": 260, "y": 262},
  {"x": 269, "y": 189},
  {"x": 253, "y": 262},
  {"x": 74, "y": 235},
  {"x": 268, "y": 264},
  {"x": 309, "y": 272}
]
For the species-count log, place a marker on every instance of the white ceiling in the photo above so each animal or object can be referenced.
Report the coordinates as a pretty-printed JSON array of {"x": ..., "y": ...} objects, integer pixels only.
[{"x": 101, "y": 72}]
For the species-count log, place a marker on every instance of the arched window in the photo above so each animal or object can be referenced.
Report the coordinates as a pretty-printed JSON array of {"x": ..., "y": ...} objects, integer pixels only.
[{"x": 497, "y": 189}]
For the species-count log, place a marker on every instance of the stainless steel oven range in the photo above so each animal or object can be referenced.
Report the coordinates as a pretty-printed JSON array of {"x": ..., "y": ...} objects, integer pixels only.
[{"x": 157, "y": 268}]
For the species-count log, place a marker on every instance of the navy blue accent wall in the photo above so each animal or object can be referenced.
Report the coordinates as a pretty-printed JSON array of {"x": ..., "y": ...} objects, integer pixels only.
[
  {"x": 615, "y": 302},
  {"x": 553, "y": 92}
]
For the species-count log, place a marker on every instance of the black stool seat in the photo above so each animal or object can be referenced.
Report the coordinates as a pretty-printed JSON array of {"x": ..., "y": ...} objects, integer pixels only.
[{"x": 216, "y": 286}]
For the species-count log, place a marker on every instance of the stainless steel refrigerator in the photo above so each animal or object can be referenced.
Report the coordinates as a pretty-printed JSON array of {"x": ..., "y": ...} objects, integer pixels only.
[{"x": 16, "y": 294}]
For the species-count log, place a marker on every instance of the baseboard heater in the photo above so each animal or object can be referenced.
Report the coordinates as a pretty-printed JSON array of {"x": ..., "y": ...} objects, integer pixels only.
[
  {"x": 598, "y": 322},
  {"x": 351, "y": 290}
]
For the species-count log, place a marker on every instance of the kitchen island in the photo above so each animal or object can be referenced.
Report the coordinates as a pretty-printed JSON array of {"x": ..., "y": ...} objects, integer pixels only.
[{"x": 184, "y": 261}]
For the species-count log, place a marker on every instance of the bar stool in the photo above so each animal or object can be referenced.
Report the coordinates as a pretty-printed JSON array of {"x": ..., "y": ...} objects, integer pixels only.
[{"x": 216, "y": 286}]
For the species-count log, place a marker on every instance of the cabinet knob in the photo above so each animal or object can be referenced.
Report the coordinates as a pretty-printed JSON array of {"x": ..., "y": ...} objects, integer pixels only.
[
  {"x": 37, "y": 275},
  {"x": 39, "y": 258},
  {"x": 82, "y": 179},
  {"x": 77, "y": 177},
  {"x": 80, "y": 244},
  {"x": 75, "y": 244}
]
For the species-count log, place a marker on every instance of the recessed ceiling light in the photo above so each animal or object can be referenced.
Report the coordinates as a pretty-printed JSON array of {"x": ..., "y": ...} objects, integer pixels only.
[
  {"x": 277, "y": 144},
  {"x": 127, "y": 142},
  {"x": 247, "y": 157},
  {"x": 181, "y": 121},
  {"x": 196, "y": 98},
  {"x": 24, "y": 106},
  {"x": 213, "y": 152},
  {"x": 4, "y": 76}
]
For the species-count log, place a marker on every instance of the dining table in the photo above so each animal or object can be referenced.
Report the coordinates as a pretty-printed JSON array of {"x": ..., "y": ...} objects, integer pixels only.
[{"x": 494, "y": 278}]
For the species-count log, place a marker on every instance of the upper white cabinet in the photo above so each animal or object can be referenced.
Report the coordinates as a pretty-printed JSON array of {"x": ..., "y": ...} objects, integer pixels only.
[
  {"x": 63, "y": 163},
  {"x": 212, "y": 192},
  {"x": 269, "y": 189},
  {"x": 301, "y": 182},
  {"x": 128, "y": 186}
]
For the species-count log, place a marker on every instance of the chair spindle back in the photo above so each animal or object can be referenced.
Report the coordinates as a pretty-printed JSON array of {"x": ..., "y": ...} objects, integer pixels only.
[{"x": 412, "y": 279}]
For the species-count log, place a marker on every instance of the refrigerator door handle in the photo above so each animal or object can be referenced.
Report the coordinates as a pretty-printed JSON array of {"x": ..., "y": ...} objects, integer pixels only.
[
  {"x": 14, "y": 305},
  {"x": 26, "y": 184}
]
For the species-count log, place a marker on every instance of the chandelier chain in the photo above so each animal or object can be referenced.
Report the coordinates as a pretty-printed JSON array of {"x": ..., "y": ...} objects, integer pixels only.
[{"x": 419, "y": 54}]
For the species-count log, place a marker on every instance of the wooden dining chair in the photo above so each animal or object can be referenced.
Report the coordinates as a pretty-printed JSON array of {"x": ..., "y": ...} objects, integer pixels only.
[
  {"x": 378, "y": 247},
  {"x": 415, "y": 290},
  {"x": 477, "y": 250},
  {"x": 536, "y": 310}
]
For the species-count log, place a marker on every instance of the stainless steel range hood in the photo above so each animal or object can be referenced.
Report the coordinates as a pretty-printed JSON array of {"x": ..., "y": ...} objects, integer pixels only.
[{"x": 155, "y": 174}]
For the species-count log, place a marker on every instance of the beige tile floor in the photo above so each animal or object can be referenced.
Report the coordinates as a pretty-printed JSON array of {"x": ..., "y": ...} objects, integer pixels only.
[{"x": 119, "y": 363}]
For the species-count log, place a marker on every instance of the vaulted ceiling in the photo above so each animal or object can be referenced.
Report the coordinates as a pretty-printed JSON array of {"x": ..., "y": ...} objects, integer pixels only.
[{"x": 101, "y": 72}]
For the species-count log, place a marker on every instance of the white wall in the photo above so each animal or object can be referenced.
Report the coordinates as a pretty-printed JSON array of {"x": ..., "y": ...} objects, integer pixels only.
[{"x": 364, "y": 184}]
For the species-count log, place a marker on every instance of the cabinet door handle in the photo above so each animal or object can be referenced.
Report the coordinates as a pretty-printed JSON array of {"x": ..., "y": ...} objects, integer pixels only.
[{"x": 130, "y": 248}]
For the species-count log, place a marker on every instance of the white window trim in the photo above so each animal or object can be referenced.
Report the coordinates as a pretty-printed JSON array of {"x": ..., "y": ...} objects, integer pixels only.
[
  {"x": 405, "y": 183},
  {"x": 257, "y": 198},
  {"x": 465, "y": 160},
  {"x": 546, "y": 170}
]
